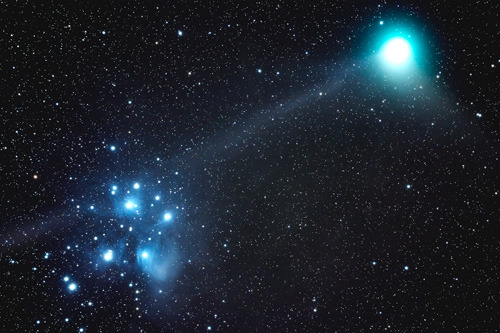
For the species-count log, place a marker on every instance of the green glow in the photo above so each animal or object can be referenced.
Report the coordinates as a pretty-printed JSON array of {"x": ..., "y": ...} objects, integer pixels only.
[
  {"x": 397, "y": 56},
  {"x": 397, "y": 51}
]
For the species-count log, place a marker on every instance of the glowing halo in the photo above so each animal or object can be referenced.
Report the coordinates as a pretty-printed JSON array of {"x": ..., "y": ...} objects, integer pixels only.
[{"x": 397, "y": 51}]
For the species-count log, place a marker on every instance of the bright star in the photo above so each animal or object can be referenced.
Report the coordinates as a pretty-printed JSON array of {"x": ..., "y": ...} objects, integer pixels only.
[
  {"x": 397, "y": 51},
  {"x": 136, "y": 186},
  {"x": 157, "y": 198},
  {"x": 129, "y": 205},
  {"x": 179, "y": 33},
  {"x": 145, "y": 254},
  {"x": 167, "y": 216},
  {"x": 407, "y": 268},
  {"x": 72, "y": 287},
  {"x": 66, "y": 279},
  {"x": 108, "y": 256},
  {"x": 113, "y": 148}
]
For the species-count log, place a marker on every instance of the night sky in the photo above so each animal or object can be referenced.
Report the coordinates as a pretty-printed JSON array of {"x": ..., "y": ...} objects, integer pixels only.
[{"x": 276, "y": 166}]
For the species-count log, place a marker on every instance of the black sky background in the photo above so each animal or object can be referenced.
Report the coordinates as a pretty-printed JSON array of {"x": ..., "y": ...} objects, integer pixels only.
[{"x": 307, "y": 194}]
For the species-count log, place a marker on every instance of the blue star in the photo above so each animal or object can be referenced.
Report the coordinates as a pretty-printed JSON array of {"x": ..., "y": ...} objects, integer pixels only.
[
  {"x": 130, "y": 204},
  {"x": 108, "y": 256},
  {"x": 167, "y": 216}
]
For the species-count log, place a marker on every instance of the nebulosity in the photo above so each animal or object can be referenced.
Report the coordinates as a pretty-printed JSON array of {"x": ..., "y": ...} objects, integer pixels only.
[{"x": 134, "y": 231}]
